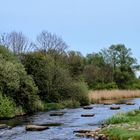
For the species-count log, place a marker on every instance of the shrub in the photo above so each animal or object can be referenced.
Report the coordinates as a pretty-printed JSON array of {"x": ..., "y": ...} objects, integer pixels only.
[
  {"x": 15, "y": 83},
  {"x": 70, "y": 103},
  {"x": 51, "y": 79},
  {"x": 78, "y": 91},
  {"x": 8, "y": 107},
  {"x": 108, "y": 86}
]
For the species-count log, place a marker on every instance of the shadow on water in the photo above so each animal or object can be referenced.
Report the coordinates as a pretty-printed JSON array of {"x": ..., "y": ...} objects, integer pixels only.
[{"x": 61, "y": 127}]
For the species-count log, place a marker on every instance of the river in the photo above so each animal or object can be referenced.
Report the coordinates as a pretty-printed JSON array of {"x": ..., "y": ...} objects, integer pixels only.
[{"x": 70, "y": 121}]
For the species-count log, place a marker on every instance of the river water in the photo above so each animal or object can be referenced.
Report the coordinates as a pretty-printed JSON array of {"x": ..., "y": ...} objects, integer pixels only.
[{"x": 71, "y": 121}]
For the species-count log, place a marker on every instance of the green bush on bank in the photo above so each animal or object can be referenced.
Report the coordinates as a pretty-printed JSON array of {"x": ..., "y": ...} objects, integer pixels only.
[
  {"x": 79, "y": 92},
  {"x": 54, "y": 81},
  {"x": 15, "y": 83},
  {"x": 8, "y": 108}
]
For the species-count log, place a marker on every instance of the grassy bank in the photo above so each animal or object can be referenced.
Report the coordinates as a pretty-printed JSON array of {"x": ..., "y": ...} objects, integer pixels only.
[
  {"x": 123, "y": 126},
  {"x": 101, "y": 95},
  {"x": 61, "y": 105}
]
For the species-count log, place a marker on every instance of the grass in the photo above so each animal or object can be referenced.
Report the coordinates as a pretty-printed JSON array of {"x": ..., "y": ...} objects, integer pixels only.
[
  {"x": 100, "y": 95},
  {"x": 61, "y": 105},
  {"x": 123, "y": 126}
]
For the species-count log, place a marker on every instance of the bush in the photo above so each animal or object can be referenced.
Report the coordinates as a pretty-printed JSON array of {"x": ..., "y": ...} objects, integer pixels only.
[
  {"x": 51, "y": 79},
  {"x": 78, "y": 91},
  {"x": 8, "y": 107},
  {"x": 53, "y": 106},
  {"x": 70, "y": 103},
  {"x": 15, "y": 83},
  {"x": 108, "y": 86}
]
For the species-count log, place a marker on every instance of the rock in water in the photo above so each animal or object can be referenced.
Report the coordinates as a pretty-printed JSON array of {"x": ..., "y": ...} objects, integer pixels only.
[
  {"x": 87, "y": 115},
  {"x": 87, "y": 107},
  {"x": 129, "y": 103},
  {"x": 36, "y": 128},
  {"x": 57, "y": 114},
  {"x": 115, "y": 107}
]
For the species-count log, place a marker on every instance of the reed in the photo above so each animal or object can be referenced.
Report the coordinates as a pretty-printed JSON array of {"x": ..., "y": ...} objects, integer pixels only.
[{"x": 113, "y": 94}]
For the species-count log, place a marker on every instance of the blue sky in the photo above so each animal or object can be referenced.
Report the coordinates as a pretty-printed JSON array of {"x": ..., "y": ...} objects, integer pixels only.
[{"x": 86, "y": 25}]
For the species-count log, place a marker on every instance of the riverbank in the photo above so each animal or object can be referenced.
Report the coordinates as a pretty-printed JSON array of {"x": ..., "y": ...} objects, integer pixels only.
[
  {"x": 123, "y": 126},
  {"x": 16, "y": 112},
  {"x": 98, "y": 96}
]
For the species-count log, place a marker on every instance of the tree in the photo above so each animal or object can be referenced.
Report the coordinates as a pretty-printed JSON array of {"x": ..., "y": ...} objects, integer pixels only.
[
  {"x": 75, "y": 63},
  {"x": 47, "y": 41},
  {"x": 97, "y": 71},
  {"x": 15, "y": 83},
  {"x": 120, "y": 58},
  {"x": 17, "y": 42},
  {"x": 49, "y": 76}
]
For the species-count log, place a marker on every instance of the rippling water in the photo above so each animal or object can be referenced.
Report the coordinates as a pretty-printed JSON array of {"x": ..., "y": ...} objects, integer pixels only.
[{"x": 71, "y": 121}]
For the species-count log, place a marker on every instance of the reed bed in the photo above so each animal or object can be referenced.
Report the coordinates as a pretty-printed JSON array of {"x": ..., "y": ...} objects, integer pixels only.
[{"x": 99, "y": 95}]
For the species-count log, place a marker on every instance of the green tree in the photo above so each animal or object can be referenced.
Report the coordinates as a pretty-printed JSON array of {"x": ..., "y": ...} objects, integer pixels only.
[
  {"x": 15, "y": 83},
  {"x": 75, "y": 63},
  {"x": 123, "y": 64}
]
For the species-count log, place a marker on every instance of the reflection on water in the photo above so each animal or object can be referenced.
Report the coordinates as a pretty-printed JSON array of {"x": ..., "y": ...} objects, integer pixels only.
[{"x": 70, "y": 121}]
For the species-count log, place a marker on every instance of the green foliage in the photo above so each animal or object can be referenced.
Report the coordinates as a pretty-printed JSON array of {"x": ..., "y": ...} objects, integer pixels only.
[
  {"x": 108, "y": 86},
  {"x": 136, "y": 84},
  {"x": 8, "y": 107},
  {"x": 61, "y": 105},
  {"x": 78, "y": 91},
  {"x": 54, "y": 82},
  {"x": 70, "y": 103},
  {"x": 75, "y": 63},
  {"x": 6, "y": 54},
  {"x": 15, "y": 83},
  {"x": 50, "y": 78}
]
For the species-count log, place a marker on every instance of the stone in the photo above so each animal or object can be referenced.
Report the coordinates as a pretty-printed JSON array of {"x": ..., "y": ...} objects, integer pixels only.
[
  {"x": 115, "y": 107},
  {"x": 57, "y": 114},
  {"x": 83, "y": 131},
  {"x": 87, "y": 107},
  {"x": 36, "y": 128},
  {"x": 130, "y": 103},
  {"x": 107, "y": 103},
  {"x": 87, "y": 115}
]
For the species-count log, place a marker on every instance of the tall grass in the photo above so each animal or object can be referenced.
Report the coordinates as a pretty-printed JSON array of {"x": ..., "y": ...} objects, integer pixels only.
[{"x": 113, "y": 94}]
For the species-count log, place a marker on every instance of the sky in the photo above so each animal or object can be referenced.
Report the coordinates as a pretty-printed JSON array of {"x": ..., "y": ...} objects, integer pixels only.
[{"x": 85, "y": 25}]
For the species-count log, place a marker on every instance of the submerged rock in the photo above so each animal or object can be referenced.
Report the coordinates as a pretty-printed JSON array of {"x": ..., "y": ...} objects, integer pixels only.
[
  {"x": 36, "y": 127},
  {"x": 130, "y": 103},
  {"x": 83, "y": 131},
  {"x": 87, "y": 115},
  {"x": 115, "y": 107},
  {"x": 87, "y": 107},
  {"x": 57, "y": 114}
]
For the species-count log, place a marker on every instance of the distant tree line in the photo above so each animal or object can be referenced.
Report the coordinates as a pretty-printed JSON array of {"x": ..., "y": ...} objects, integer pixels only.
[{"x": 45, "y": 71}]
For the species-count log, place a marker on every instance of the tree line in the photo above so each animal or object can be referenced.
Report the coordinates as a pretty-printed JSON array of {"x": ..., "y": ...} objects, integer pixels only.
[{"x": 33, "y": 74}]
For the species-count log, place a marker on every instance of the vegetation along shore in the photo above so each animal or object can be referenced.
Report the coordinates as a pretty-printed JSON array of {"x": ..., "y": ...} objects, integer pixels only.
[{"x": 44, "y": 74}]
